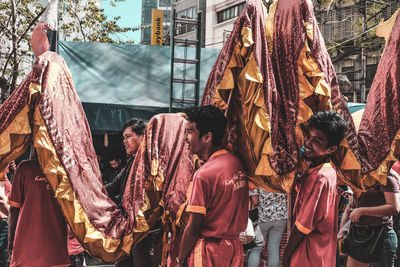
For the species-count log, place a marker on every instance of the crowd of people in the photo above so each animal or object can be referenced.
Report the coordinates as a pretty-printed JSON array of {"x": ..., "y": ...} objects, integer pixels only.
[
  {"x": 273, "y": 84},
  {"x": 219, "y": 201}
]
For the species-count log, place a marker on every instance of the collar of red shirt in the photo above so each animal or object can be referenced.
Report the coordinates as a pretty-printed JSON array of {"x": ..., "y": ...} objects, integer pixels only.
[
  {"x": 219, "y": 152},
  {"x": 327, "y": 164}
]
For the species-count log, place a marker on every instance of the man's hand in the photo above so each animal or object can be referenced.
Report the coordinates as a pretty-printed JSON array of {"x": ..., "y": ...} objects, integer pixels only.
[
  {"x": 356, "y": 214},
  {"x": 3, "y": 198},
  {"x": 4, "y": 207},
  {"x": 190, "y": 236},
  {"x": 181, "y": 263},
  {"x": 340, "y": 235},
  {"x": 245, "y": 239},
  {"x": 295, "y": 238}
]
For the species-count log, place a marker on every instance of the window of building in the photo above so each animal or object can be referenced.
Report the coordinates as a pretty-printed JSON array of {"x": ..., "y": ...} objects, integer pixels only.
[
  {"x": 230, "y": 13},
  {"x": 390, "y": 9},
  {"x": 349, "y": 72},
  {"x": 190, "y": 13},
  {"x": 348, "y": 90},
  {"x": 164, "y": 3},
  {"x": 337, "y": 24},
  {"x": 371, "y": 71},
  {"x": 167, "y": 15},
  {"x": 226, "y": 36}
]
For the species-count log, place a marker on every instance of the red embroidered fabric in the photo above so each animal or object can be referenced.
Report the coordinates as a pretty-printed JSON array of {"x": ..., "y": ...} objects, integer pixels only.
[
  {"x": 381, "y": 119},
  {"x": 49, "y": 99},
  {"x": 360, "y": 160},
  {"x": 164, "y": 161}
]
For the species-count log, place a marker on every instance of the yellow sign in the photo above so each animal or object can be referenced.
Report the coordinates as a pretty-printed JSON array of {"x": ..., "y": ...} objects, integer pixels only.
[{"x": 156, "y": 27}]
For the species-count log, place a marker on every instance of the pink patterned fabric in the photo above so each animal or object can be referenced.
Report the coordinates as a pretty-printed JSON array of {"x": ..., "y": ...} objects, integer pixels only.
[
  {"x": 70, "y": 135},
  {"x": 39, "y": 40},
  {"x": 381, "y": 119},
  {"x": 280, "y": 73},
  {"x": 164, "y": 141}
]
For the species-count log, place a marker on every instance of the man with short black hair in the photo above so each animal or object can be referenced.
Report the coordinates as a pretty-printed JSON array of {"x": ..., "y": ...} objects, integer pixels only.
[
  {"x": 218, "y": 203},
  {"x": 313, "y": 238},
  {"x": 132, "y": 134},
  {"x": 116, "y": 165},
  {"x": 142, "y": 253}
]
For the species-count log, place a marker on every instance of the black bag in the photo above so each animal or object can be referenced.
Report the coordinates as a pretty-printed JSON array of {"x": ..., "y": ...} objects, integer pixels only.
[
  {"x": 364, "y": 243},
  {"x": 253, "y": 215},
  {"x": 250, "y": 245}
]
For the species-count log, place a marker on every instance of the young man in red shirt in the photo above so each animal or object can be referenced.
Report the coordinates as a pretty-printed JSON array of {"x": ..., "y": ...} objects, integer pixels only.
[
  {"x": 218, "y": 203},
  {"x": 313, "y": 239},
  {"x": 37, "y": 228}
]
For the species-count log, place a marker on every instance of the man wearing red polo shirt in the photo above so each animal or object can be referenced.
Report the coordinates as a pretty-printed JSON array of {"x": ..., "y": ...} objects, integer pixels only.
[
  {"x": 37, "y": 229},
  {"x": 218, "y": 203},
  {"x": 313, "y": 239}
]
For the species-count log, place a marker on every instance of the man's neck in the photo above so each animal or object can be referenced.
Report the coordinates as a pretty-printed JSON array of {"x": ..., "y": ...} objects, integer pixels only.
[
  {"x": 208, "y": 152},
  {"x": 317, "y": 162}
]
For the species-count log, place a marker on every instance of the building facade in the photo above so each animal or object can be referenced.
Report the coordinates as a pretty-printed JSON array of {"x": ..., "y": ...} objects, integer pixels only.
[
  {"x": 220, "y": 17},
  {"x": 188, "y": 9},
  {"x": 342, "y": 28}
]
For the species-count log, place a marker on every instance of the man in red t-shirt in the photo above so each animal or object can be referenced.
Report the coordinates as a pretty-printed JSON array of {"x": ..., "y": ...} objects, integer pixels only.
[
  {"x": 218, "y": 203},
  {"x": 37, "y": 229},
  {"x": 312, "y": 241}
]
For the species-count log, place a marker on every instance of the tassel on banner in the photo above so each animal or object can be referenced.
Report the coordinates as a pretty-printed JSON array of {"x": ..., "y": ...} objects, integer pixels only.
[{"x": 105, "y": 139}]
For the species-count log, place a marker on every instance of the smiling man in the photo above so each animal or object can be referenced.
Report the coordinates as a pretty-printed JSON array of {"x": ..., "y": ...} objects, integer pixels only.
[
  {"x": 312, "y": 241},
  {"x": 218, "y": 203},
  {"x": 132, "y": 135}
]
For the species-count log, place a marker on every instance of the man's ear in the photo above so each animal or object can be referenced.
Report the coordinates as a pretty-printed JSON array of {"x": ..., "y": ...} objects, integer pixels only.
[
  {"x": 332, "y": 149},
  {"x": 207, "y": 138}
]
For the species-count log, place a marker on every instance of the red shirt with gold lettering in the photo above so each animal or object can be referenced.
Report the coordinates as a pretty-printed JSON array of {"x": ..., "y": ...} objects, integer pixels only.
[
  {"x": 220, "y": 192},
  {"x": 41, "y": 234},
  {"x": 315, "y": 213}
]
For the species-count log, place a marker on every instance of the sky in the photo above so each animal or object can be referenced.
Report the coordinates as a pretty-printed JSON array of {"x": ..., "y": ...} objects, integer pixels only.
[{"x": 130, "y": 12}]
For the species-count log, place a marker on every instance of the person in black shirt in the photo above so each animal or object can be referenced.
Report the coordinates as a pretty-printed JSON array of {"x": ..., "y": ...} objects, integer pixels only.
[
  {"x": 132, "y": 134},
  {"x": 116, "y": 165},
  {"x": 142, "y": 253}
]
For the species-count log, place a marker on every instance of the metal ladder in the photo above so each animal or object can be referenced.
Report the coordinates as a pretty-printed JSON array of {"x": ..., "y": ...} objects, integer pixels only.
[{"x": 196, "y": 61}]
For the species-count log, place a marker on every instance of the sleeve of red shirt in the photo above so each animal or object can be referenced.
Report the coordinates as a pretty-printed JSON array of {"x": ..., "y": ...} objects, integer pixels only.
[
  {"x": 312, "y": 210},
  {"x": 199, "y": 197},
  {"x": 16, "y": 196}
]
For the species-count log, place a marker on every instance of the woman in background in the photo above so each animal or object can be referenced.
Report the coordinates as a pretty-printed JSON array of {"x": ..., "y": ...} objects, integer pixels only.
[{"x": 272, "y": 212}]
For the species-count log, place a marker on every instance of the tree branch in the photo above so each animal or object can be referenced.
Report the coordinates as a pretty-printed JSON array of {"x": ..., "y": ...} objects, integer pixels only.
[
  {"x": 31, "y": 24},
  {"x": 15, "y": 45},
  {"x": 21, "y": 37},
  {"x": 5, "y": 27},
  {"x": 80, "y": 24}
]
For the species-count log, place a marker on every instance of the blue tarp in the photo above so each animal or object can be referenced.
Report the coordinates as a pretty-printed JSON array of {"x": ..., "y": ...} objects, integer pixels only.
[
  {"x": 354, "y": 107},
  {"x": 131, "y": 80},
  {"x": 116, "y": 82},
  {"x": 130, "y": 74}
]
